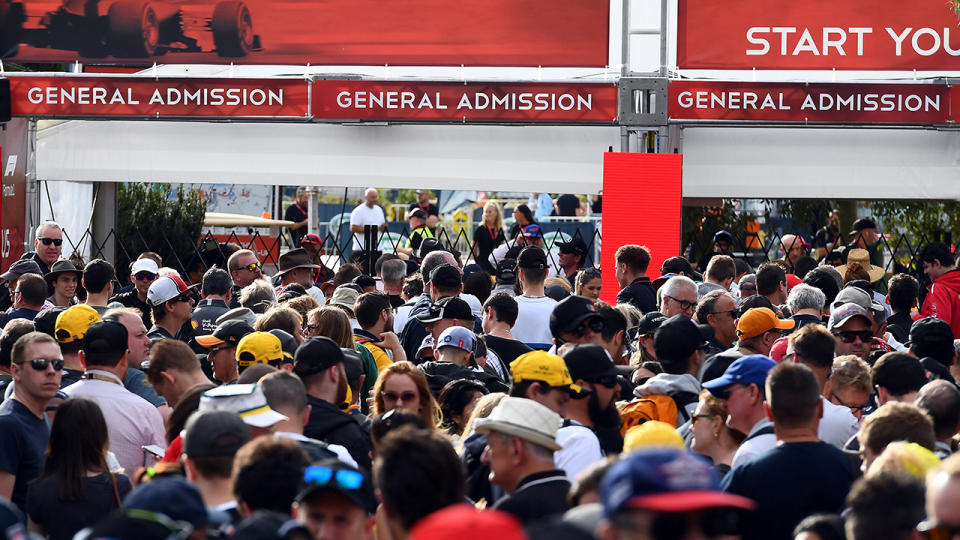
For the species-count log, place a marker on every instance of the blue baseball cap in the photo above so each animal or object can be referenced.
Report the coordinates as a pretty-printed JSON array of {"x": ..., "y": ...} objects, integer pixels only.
[
  {"x": 175, "y": 498},
  {"x": 748, "y": 370},
  {"x": 665, "y": 480},
  {"x": 533, "y": 230}
]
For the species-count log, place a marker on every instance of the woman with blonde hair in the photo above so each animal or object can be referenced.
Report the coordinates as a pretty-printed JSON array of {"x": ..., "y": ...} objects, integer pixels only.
[
  {"x": 711, "y": 436},
  {"x": 489, "y": 235},
  {"x": 403, "y": 386}
]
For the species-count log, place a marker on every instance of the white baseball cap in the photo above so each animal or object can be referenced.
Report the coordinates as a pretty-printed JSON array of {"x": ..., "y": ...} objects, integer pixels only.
[
  {"x": 246, "y": 400},
  {"x": 144, "y": 265},
  {"x": 165, "y": 289}
]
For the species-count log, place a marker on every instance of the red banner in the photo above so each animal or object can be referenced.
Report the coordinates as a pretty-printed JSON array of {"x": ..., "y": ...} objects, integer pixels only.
[
  {"x": 13, "y": 205},
  {"x": 819, "y": 34},
  {"x": 129, "y": 97},
  {"x": 554, "y": 33},
  {"x": 465, "y": 102},
  {"x": 797, "y": 102}
]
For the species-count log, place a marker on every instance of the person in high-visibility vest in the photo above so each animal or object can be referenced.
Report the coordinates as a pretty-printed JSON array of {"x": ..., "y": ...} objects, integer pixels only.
[{"x": 417, "y": 219}]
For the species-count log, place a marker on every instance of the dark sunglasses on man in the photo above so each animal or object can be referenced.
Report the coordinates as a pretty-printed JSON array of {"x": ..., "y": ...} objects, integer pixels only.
[
  {"x": 40, "y": 364},
  {"x": 849, "y": 336},
  {"x": 48, "y": 241}
]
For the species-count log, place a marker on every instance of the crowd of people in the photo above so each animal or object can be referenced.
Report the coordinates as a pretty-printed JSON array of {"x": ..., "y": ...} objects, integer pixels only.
[{"x": 426, "y": 398}]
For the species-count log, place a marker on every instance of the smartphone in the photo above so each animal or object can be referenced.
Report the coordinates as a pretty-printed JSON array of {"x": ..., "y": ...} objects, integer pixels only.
[{"x": 153, "y": 450}]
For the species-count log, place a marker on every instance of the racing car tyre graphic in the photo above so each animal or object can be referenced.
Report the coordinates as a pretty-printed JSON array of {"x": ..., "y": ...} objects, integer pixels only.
[
  {"x": 232, "y": 29},
  {"x": 133, "y": 29}
]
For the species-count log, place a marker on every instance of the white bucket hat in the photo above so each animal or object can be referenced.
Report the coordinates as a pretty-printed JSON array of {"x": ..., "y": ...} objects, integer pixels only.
[{"x": 526, "y": 419}]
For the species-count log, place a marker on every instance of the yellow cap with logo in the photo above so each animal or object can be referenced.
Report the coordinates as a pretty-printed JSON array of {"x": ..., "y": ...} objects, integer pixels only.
[
  {"x": 259, "y": 348},
  {"x": 72, "y": 323},
  {"x": 546, "y": 368}
]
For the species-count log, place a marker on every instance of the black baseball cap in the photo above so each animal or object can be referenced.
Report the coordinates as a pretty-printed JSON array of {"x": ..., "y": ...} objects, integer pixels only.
[
  {"x": 349, "y": 481},
  {"x": 105, "y": 337},
  {"x": 863, "y": 223},
  {"x": 214, "y": 433},
  {"x": 570, "y": 312},
  {"x": 287, "y": 342},
  {"x": 590, "y": 363},
  {"x": 576, "y": 245},
  {"x": 679, "y": 336},
  {"x": 446, "y": 276},
  {"x": 428, "y": 245},
  {"x": 506, "y": 271},
  {"x": 679, "y": 265},
  {"x": 229, "y": 331},
  {"x": 352, "y": 364},
  {"x": 46, "y": 320},
  {"x": 450, "y": 307},
  {"x": 649, "y": 323},
  {"x": 931, "y": 330},
  {"x": 417, "y": 213},
  {"x": 315, "y": 355},
  {"x": 533, "y": 258}
]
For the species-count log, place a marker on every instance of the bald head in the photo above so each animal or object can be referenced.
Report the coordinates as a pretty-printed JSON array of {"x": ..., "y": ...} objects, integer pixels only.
[
  {"x": 792, "y": 247},
  {"x": 370, "y": 197}
]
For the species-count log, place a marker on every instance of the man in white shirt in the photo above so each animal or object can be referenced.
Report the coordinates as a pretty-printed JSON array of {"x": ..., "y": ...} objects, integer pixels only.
[
  {"x": 367, "y": 213},
  {"x": 741, "y": 387},
  {"x": 534, "y": 307},
  {"x": 132, "y": 422}
]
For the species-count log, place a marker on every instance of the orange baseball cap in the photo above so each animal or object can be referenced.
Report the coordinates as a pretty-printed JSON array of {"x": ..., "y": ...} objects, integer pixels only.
[{"x": 759, "y": 320}]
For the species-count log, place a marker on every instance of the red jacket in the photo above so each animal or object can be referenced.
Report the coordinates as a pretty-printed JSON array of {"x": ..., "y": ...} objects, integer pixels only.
[{"x": 943, "y": 300}]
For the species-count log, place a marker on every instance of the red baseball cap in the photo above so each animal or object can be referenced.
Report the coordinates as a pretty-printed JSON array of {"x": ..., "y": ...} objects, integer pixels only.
[{"x": 462, "y": 521}]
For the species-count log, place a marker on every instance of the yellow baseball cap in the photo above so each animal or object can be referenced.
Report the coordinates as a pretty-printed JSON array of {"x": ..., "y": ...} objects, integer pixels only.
[
  {"x": 259, "y": 348},
  {"x": 652, "y": 433},
  {"x": 72, "y": 323},
  {"x": 547, "y": 368}
]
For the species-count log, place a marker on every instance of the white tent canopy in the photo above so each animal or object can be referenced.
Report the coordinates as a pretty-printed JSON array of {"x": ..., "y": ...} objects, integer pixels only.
[{"x": 557, "y": 159}]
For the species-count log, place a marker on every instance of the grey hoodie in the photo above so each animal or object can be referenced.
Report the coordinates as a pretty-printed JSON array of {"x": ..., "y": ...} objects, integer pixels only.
[{"x": 671, "y": 385}]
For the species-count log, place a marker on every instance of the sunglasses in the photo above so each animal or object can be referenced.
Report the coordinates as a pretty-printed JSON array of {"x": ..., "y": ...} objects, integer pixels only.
[
  {"x": 698, "y": 417},
  {"x": 734, "y": 313},
  {"x": 406, "y": 396},
  {"x": 252, "y": 267},
  {"x": 40, "y": 364},
  {"x": 851, "y": 335},
  {"x": 185, "y": 297},
  {"x": 318, "y": 475},
  {"x": 683, "y": 303},
  {"x": 610, "y": 381},
  {"x": 595, "y": 325},
  {"x": 929, "y": 531},
  {"x": 48, "y": 241},
  {"x": 853, "y": 408},
  {"x": 145, "y": 276}
]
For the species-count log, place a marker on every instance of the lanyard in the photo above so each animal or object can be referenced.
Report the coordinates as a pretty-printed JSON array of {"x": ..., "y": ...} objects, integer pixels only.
[{"x": 99, "y": 377}]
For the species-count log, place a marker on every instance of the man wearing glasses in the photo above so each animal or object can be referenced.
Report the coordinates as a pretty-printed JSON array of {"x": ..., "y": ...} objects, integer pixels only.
[
  {"x": 852, "y": 326},
  {"x": 143, "y": 273},
  {"x": 47, "y": 246},
  {"x": 591, "y": 368},
  {"x": 171, "y": 303},
  {"x": 678, "y": 297},
  {"x": 244, "y": 268},
  {"x": 35, "y": 367},
  {"x": 336, "y": 502}
]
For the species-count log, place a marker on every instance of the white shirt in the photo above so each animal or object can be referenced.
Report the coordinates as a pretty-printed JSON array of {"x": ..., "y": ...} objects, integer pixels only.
[
  {"x": 475, "y": 306},
  {"x": 317, "y": 295},
  {"x": 400, "y": 318},
  {"x": 533, "y": 320},
  {"x": 364, "y": 215},
  {"x": 837, "y": 425},
  {"x": 581, "y": 448},
  {"x": 132, "y": 422},
  {"x": 341, "y": 451},
  {"x": 756, "y": 446}
]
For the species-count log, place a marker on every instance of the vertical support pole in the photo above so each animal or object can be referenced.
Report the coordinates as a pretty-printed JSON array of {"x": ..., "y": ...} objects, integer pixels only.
[
  {"x": 664, "y": 35},
  {"x": 105, "y": 221},
  {"x": 33, "y": 186},
  {"x": 311, "y": 210},
  {"x": 625, "y": 37}
]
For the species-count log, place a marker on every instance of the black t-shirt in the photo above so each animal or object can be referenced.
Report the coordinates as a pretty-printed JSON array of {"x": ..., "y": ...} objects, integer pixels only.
[
  {"x": 205, "y": 316},
  {"x": 296, "y": 214},
  {"x": 62, "y": 519},
  {"x": 396, "y": 301},
  {"x": 507, "y": 349},
  {"x": 826, "y": 235},
  {"x": 789, "y": 483},
  {"x": 538, "y": 496},
  {"x": 130, "y": 299},
  {"x": 23, "y": 444},
  {"x": 430, "y": 208},
  {"x": 486, "y": 243},
  {"x": 567, "y": 205}
]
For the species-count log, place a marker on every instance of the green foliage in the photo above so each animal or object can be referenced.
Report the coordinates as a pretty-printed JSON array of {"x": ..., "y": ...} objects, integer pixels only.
[
  {"x": 699, "y": 223},
  {"x": 160, "y": 218},
  {"x": 921, "y": 220}
]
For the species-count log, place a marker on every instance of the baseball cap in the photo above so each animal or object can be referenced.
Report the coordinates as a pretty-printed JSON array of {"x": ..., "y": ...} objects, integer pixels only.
[
  {"x": 144, "y": 265},
  {"x": 173, "y": 497},
  {"x": 533, "y": 258},
  {"x": 311, "y": 238},
  {"x": 104, "y": 337},
  {"x": 723, "y": 235},
  {"x": 417, "y": 213},
  {"x": 446, "y": 276},
  {"x": 230, "y": 331},
  {"x": 461, "y": 521},
  {"x": 930, "y": 330},
  {"x": 287, "y": 342},
  {"x": 315, "y": 355},
  {"x": 590, "y": 363},
  {"x": 793, "y": 281},
  {"x": 569, "y": 313},
  {"x": 242, "y": 313},
  {"x": 21, "y": 267},
  {"x": 246, "y": 400},
  {"x": 678, "y": 337},
  {"x": 649, "y": 323},
  {"x": 214, "y": 434},
  {"x": 546, "y": 368},
  {"x": 341, "y": 477},
  {"x": 344, "y": 296},
  {"x": 679, "y": 265},
  {"x": 449, "y": 307},
  {"x": 459, "y": 337},
  {"x": 576, "y": 245},
  {"x": 259, "y": 348},
  {"x": 746, "y": 370},
  {"x": 46, "y": 320},
  {"x": 840, "y": 315},
  {"x": 533, "y": 230},
  {"x": 863, "y": 223},
  {"x": 506, "y": 271},
  {"x": 855, "y": 295},
  {"x": 166, "y": 288},
  {"x": 525, "y": 419},
  {"x": 756, "y": 321},
  {"x": 427, "y": 246},
  {"x": 72, "y": 323},
  {"x": 652, "y": 433},
  {"x": 665, "y": 480}
]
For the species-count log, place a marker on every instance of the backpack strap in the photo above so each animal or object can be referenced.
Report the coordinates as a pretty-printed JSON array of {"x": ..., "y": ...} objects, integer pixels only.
[{"x": 768, "y": 430}]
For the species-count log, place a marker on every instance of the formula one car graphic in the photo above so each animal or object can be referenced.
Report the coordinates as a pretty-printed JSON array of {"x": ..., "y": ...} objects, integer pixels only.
[{"x": 129, "y": 28}]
